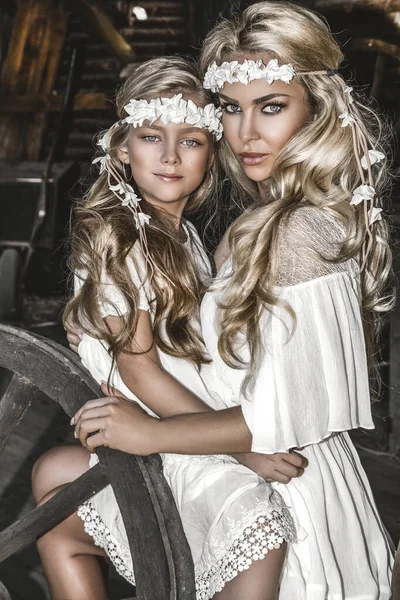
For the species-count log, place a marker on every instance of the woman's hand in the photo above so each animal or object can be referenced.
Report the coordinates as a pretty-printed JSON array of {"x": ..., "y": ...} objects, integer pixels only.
[{"x": 116, "y": 423}]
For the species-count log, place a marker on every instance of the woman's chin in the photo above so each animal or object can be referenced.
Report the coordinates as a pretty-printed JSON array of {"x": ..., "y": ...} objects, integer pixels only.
[{"x": 257, "y": 173}]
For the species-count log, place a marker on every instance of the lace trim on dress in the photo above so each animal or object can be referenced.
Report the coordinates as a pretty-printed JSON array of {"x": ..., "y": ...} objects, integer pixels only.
[
  {"x": 119, "y": 555},
  {"x": 249, "y": 540}
]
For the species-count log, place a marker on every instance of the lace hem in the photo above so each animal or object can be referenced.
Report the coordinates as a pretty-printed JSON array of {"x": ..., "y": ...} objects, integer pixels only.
[
  {"x": 258, "y": 536},
  {"x": 256, "y": 533},
  {"x": 119, "y": 555}
]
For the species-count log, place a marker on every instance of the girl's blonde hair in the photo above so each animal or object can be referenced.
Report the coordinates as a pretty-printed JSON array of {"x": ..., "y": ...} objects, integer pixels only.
[
  {"x": 316, "y": 167},
  {"x": 104, "y": 234}
]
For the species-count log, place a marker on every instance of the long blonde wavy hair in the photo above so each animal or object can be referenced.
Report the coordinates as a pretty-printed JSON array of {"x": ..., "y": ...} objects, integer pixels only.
[
  {"x": 104, "y": 234},
  {"x": 317, "y": 167}
]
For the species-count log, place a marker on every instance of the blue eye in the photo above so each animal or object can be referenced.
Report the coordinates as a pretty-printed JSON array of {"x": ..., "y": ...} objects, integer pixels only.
[
  {"x": 191, "y": 143},
  {"x": 150, "y": 138},
  {"x": 231, "y": 109},
  {"x": 273, "y": 109}
]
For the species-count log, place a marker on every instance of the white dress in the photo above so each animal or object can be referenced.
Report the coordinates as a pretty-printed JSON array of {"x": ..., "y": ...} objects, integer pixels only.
[
  {"x": 229, "y": 514},
  {"x": 310, "y": 390}
]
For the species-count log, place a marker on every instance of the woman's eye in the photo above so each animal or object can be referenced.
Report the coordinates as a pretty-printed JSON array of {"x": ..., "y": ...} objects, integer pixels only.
[
  {"x": 191, "y": 143},
  {"x": 150, "y": 138},
  {"x": 230, "y": 108},
  {"x": 273, "y": 109}
]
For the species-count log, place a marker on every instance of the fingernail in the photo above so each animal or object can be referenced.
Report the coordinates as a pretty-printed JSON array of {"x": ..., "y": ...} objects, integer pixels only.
[{"x": 75, "y": 435}]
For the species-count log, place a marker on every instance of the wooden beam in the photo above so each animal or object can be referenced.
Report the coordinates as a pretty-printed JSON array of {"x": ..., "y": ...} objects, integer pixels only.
[
  {"x": 373, "y": 45},
  {"x": 15, "y": 55},
  {"x": 13, "y": 404},
  {"x": 43, "y": 518},
  {"x": 101, "y": 24},
  {"x": 39, "y": 102},
  {"x": 348, "y": 5}
]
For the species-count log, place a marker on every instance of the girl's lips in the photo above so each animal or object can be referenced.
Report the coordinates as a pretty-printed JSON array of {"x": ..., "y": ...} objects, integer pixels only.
[
  {"x": 252, "y": 158},
  {"x": 168, "y": 178}
]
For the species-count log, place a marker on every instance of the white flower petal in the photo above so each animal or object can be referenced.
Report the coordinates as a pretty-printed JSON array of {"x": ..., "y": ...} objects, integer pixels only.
[
  {"x": 141, "y": 219},
  {"x": 347, "y": 119},
  {"x": 374, "y": 157},
  {"x": 361, "y": 193},
  {"x": 375, "y": 214}
]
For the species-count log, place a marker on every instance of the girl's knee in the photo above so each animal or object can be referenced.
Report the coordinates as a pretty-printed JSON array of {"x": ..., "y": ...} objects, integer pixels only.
[{"x": 56, "y": 467}]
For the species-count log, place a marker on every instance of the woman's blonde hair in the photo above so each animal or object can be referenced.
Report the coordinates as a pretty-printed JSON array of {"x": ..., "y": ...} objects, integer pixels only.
[
  {"x": 316, "y": 167},
  {"x": 104, "y": 234}
]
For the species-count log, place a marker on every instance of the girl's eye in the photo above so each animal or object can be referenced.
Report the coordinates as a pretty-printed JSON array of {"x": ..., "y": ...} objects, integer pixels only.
[
  {"x": 231, "y": 109},
  {"x": 273, "y": 109},
  {"x": 150, "y": 138},
  {"x": 191, "y": 143}
]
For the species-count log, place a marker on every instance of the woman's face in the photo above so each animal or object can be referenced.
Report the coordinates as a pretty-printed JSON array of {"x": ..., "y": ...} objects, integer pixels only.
[
  {"x": 259, "y": 119},
  {"x": 168, "y": 162}
]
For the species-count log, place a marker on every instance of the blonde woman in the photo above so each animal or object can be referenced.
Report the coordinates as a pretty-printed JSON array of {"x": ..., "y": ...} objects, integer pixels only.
[
  {"x": 140, "y": 268},
  {"x": 292, "y": 318}
]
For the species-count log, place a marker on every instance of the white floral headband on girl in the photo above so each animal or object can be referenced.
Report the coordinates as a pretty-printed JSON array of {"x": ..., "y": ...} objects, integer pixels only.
[
  {"x": 250, "y": 70},
  {"x": 168, "y": 110}
]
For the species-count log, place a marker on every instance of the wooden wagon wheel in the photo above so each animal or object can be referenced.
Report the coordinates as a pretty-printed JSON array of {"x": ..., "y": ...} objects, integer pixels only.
[{"x": 161, "y": 557}]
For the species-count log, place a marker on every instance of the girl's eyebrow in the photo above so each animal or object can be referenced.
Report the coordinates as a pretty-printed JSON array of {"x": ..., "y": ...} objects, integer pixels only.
[
  {"x": 256, "y": 100},
  {"x": 185, "y": 129}
]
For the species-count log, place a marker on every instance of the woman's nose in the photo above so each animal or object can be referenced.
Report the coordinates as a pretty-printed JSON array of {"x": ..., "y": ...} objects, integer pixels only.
[{"x": 248, "y": 130}]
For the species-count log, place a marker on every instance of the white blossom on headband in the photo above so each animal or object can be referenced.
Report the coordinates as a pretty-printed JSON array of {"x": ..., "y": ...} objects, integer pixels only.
[
  {"x": 140, "y": 111},
  {"x": 174, "y": 110},
  {"x": 374, "y": 157},
  {"x": 348, "y": 91},
  {"x": 375, "y": 214},
  {"x": 103, "y": 162},
  {"x": 347, "y": 119},
  {"x": 363, "y": 193},
  {"x": 141, "y": 219},
  {"x": 250, "y": 70}
]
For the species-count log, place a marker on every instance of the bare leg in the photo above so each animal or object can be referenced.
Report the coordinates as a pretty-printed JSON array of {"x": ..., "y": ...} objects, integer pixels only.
[
  {"x": 259, "y": 582},
  {"x": 74, "y": 567}
]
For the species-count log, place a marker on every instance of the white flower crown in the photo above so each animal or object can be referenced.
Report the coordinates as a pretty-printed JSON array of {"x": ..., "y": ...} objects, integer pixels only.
[
  {"x": 174, "y": 110},
  {"x": 235, "y": 72}
]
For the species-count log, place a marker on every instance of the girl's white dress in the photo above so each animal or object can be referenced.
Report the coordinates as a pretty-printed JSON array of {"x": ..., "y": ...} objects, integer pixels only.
[
  {"x": 311, "y": 389},
  {"x": 230, "y": 515}
]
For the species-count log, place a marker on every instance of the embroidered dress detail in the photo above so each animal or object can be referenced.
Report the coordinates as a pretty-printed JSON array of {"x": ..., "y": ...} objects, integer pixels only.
[
  {"x": 102, "y": 537},
  {"x": 262, "y": 529}
]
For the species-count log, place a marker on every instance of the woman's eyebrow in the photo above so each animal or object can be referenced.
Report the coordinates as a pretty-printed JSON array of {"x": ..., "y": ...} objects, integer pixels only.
[
  {"x": 268, "y": 97},
  {"x": 256, "y": 100}
]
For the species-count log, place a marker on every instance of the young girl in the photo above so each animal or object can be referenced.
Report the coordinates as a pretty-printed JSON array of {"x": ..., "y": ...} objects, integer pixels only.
[
  {"x": 140, "y": 268},
  {"x": 291, "y": 320}
]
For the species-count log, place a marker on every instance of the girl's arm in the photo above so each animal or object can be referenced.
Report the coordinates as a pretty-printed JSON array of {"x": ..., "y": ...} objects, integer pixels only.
[
  {"x": 144, "y": 375},
  {"x": 164, "y": 395}
]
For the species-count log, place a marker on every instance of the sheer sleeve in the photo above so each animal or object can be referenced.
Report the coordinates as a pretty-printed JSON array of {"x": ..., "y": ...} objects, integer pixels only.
[{"x": 313, "y": 381}]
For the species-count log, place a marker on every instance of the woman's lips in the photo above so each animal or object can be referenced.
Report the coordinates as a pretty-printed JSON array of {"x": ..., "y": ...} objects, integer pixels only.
[
  {"x": 168, "y": 178},
  {"x": 252, "y": 158}
]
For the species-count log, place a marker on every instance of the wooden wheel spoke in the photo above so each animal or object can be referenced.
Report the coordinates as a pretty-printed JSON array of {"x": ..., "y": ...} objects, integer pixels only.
[
  {"x": 51, "y": 513},
  {"x": 13, "y": 404}
]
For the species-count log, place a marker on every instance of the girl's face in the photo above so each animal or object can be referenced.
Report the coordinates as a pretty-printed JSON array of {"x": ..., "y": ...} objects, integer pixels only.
[
  {"x": 168, "y": 162},
  {"x": 259, "y": 119}
]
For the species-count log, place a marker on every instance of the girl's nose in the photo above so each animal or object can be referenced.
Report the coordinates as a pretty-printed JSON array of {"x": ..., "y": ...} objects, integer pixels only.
[{"x": 170, "y": 155}]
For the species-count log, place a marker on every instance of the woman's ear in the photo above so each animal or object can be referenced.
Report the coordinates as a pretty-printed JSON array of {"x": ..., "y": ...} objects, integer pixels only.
[{"x": 123, "y": 155}]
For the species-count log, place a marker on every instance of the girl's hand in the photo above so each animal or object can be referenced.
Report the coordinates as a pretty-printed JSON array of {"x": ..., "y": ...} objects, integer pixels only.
[
  {"x": 115, "y": 423},
  {"x": 74, "y": 335},
  {"x": 280, "y": 467}
]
